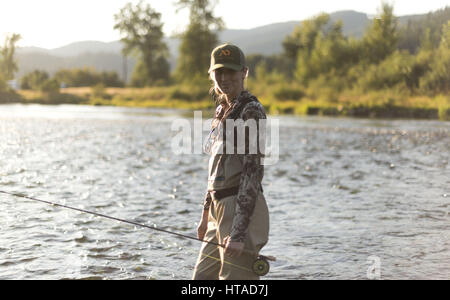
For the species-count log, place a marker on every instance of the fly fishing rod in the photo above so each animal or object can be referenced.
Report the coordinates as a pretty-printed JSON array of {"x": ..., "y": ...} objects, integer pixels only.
[{"x": 260, "y": 266}]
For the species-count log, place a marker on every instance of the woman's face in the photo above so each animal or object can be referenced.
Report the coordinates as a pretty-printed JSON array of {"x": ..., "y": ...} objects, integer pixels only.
[{"x": 229, "y": 81}]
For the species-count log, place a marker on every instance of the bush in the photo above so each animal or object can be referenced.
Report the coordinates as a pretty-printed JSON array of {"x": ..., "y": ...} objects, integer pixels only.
[
  {"x": 443, "y": 107},
  {"x": 288, "y": 93},
  {"x": 189, "y": 92},
  {"x": 9, "y": 97},
  {"x": 177, "y": 93},
  {"x": 33, "y": 80},
  {"x": 395, "y": 69},
  {"x": 111, "y": 79},
  {"x": 437, "y": 80},
  {"x": 444, "y": 113},
  {"x": 87, "y": 77},
  {"x": 50, "y": 86},
  {"x": 98, "y": 91},
  {"x": 326, "y": 88},
  {"x": 3, "y": 85},
  {"x": 64, "y": 99}
]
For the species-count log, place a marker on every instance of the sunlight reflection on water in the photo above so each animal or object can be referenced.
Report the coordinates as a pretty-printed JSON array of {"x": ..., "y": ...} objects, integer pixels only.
[{"x": 342, "y": 191}]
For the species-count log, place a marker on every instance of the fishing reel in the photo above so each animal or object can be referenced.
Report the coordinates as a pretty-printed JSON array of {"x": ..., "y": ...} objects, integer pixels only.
[{"x": 261, "y": 265}]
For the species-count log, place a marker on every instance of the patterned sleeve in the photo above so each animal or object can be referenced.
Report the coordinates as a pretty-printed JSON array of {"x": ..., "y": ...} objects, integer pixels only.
[
  {"x": 207, "y": 201},
  {"x": 250, "y": 181}
]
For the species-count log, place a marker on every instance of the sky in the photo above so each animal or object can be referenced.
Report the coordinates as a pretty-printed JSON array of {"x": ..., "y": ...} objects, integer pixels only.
[{"x": 55, "y": 23}]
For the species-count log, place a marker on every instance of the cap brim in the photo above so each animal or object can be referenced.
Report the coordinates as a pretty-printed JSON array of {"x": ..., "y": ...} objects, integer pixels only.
[{"x": 228, "y": 66}]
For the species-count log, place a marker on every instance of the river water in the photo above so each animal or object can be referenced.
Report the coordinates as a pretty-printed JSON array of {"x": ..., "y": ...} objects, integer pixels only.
[{"x": 348, "y": 198}]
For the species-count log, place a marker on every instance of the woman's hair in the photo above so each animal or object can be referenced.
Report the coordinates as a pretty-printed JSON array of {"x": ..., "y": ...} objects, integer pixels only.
[{"x": 215, "y": 91}]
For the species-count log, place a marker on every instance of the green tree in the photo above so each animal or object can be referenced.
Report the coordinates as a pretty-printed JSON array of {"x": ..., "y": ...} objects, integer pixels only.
[
  {"x": 198, "y": 40},
  {"x": 318, "y": 47},
  {"x": 423, "y": 32},
  {"x": 50, "y": 86},
  {"x": 139, "y": 77},
  {"x": 33, "y": 80},
  {"x": 254, "y": 62},
  {"x": 437, "y": 79},
  {"x": 142, "y": 28},
  {"x": 426, "y": 41},
  {"x": 328, "y": 53},
  {"x": 396, "y": 69},
  {"x": 8, "y": 64},
  {"x": 304, "y": 36},
  {"x": 381, "y": 38},
  {"x": 259, "y": 64}
]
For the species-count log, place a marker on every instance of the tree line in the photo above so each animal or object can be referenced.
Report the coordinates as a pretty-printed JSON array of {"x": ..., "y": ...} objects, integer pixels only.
[
  {"x": 40, "y": 80},
  {"x": 412, "y": 59}
]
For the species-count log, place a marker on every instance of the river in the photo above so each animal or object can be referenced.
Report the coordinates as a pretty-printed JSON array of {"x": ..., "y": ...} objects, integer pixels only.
[{"x": 348, "y": 198}]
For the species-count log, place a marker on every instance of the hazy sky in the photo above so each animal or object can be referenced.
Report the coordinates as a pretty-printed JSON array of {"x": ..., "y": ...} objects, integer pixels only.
[{"x": 55, "y": 23}]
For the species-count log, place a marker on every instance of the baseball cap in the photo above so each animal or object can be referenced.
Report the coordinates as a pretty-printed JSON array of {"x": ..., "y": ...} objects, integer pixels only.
[{"x": 227, "y": 56}]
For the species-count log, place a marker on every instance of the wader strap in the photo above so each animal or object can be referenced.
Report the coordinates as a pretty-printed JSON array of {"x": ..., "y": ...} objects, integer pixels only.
[{"x": 220, "y": 194}]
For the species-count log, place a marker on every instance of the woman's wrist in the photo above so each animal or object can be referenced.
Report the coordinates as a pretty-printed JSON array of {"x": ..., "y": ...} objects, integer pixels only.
[{"x": 205, "y": 214}]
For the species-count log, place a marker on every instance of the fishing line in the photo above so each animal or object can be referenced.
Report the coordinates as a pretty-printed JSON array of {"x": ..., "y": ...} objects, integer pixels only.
[
  {"x": 260, "y": 265},
  {"x": 109, "y": 217}
]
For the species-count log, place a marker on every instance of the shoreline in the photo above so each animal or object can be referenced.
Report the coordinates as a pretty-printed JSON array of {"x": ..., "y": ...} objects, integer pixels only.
[
  {"x": 371, "y": 107},
  {"x": 359, "y": 112}
]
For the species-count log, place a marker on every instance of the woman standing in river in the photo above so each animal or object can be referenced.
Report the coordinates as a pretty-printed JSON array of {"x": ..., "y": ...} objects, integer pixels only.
[{"x": 235, "y": 212}]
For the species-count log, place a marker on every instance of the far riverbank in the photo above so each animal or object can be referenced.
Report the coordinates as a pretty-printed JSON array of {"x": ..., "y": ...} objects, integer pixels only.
[{"x": 374, "y": 105}]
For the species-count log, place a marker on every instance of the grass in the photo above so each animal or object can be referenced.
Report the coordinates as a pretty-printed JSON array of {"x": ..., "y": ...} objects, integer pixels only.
[{"x": 274, "y": 97}]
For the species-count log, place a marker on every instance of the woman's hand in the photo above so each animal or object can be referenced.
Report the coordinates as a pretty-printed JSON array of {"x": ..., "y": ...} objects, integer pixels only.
[{"x": 233, "y": 249}]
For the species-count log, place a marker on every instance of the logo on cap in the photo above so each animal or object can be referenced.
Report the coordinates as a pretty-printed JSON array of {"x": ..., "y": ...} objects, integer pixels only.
[{"x": 225, "y": 52}]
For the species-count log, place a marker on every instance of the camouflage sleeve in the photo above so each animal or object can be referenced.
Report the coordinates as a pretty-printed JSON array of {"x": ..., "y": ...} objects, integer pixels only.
[
  {"x": 207, "y": 201},
  {"x": 250, "y": 181}
]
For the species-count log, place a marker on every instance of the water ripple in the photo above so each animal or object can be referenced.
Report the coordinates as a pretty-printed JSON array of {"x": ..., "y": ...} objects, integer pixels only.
[{"x": 342, "y": 191}]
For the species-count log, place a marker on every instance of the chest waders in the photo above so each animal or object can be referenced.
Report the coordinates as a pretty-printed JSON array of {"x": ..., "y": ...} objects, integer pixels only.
[{"x": 224, "y": 174}]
